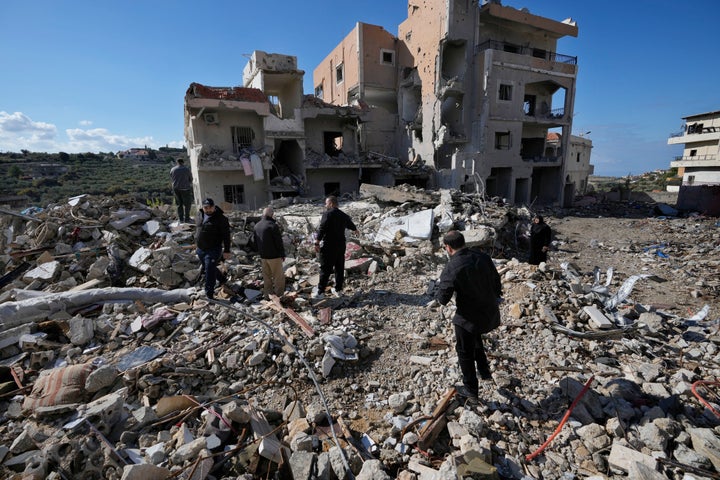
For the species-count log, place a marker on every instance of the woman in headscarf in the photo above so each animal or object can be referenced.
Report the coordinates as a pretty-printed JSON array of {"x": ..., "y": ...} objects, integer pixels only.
[{"x": 540, "y": 234}]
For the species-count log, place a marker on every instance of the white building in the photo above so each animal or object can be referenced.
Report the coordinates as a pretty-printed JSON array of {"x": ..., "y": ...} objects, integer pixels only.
[{"x": 699, "y": 164}]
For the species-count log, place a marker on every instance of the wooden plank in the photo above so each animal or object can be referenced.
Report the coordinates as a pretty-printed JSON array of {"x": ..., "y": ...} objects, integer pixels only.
[{"x": 293, "y": 315}]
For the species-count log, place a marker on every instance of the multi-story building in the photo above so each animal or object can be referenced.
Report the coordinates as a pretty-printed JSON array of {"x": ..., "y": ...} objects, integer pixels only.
[
  {"x": 250, "y": 144},
  {"x": 477, "y": 89},
  {"x": 699, "y": 165},
  {"x": 464, "y": 98}
]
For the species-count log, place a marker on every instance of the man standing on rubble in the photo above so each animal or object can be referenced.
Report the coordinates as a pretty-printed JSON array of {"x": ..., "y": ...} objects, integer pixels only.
[
  {"x": 268, "y": 240},
  {"x": 182, "y": 188},
  {"x": 472, "y": 276},
  {"x": 330, "y": 243},
  {"x": 212, "y": 238}
]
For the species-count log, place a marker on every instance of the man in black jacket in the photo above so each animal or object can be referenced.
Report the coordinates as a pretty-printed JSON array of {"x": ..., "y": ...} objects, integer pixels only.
[
  {"x": 472, "y": 276},
  {"x": 268, "y": 240},
  {"x": 212, "y": 238},
  {"x": 330, "y": 242}
]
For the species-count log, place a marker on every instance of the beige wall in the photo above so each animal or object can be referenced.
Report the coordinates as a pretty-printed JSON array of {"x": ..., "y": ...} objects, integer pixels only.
[{"x": 345, "y": 54}]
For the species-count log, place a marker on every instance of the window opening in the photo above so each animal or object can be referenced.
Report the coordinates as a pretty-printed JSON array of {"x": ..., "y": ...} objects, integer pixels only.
[
  {"x": 387, "y": 57},
  {"x": 234, "y": 194},
  {"x": 693, "y": 152},
  {"x": 242, "y": 137},
  {"x": 332, "y": 188},
  {"x": 505, "y": 92},
  {"x": 333, "y": 143},
  {"x": 339, "y": 71},
  {"x": 502, "y": 140},
  {"x": 319, "y": 91}
]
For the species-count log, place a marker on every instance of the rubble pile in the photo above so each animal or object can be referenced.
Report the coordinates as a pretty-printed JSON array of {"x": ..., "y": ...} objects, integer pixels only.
[{"x": 114, "y": 365}]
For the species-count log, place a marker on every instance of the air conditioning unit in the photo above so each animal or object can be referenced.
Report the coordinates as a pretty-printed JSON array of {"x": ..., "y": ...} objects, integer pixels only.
[{"x": 210, "y": 118}]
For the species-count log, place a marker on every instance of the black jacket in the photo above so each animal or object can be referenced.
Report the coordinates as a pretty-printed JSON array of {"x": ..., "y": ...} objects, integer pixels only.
[
  {"x": 332, "y": 229},
  {"x": 473, "y": 277},
  {"x": 268, "y": 239},
  {"x": 212, "y": 231}
]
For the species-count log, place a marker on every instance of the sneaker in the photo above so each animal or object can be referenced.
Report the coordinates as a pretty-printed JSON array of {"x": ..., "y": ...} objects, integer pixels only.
[{"x": 466, "y": 396}]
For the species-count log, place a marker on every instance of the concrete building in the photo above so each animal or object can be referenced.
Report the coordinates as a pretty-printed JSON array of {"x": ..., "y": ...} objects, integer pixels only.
[
  {"x": 248, "y": 145},
  {"x": 577, "y": 160},
  {"x": 699, "y": 165},
  {"x": 477, "y": 90}
]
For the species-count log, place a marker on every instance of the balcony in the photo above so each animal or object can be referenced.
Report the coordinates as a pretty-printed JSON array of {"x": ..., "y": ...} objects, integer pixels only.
[
  {"x": 691, "y": 135},
  {"x": 696, "y": 161},
  {"x": 528, "y": 51}
]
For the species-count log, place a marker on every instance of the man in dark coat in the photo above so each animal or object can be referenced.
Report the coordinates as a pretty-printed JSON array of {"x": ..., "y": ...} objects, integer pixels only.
[
  {"x": 268, "y": 240},
  {"x": 330, "y": 242},
  {"x": 182, "y": 188},
  {"x": 540, "y": 236},
  {"x": 212, "y": 238},
  {"x": 471, "y": 275}
]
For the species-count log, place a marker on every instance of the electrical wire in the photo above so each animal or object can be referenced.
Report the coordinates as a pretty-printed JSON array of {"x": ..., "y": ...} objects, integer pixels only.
[{"x": 307, "y": 366}]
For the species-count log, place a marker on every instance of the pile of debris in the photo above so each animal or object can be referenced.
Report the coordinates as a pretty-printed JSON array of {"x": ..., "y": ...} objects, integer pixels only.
[{"x": 114, "y": 365}]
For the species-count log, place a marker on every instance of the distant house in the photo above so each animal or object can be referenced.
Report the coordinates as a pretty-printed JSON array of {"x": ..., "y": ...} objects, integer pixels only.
[
  {"x": 699, "y": 165},
  {"x": 135, "y": 154}
]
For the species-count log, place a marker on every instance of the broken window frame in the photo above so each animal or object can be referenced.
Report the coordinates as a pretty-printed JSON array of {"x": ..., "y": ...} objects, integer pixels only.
[
  {"x": 505, "y": 91},
  {"x": 242, "y": 137},
  {"x": 383, "y": 53},
  {"x": 503, "y": 141},
  {"x": 340, "y": 73},
  {"x": 234, "y": 194},
  {"x": 319, "y": 91}
]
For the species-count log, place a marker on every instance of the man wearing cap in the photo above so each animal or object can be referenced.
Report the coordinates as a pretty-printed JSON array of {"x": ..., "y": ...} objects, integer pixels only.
[
  {"x": 212, "y": 238},
  {"x": 182, "y": 188}
]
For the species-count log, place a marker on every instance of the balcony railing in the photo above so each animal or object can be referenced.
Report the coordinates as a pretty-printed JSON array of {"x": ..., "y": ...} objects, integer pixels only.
[
  {"x": 529, "y": 51},
  {"x": 695, "y": 158}
]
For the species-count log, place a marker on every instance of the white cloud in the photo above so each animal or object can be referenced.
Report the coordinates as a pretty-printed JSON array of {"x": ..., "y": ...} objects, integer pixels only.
[
  {"x": 85, "y": 123},
  {"x": 19, "y": 132}
]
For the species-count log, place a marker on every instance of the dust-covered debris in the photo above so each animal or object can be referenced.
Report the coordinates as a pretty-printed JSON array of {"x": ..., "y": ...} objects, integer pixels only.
[{"x": 113, "y": 365}]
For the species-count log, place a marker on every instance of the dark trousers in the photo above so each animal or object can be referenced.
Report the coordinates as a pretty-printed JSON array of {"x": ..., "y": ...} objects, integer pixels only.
[
  {"x": 209, "y": 259},
  {"x": 332, "y": 260},
  {"x": 183, "y": 198},
  {"x": 471, "y": 354}
]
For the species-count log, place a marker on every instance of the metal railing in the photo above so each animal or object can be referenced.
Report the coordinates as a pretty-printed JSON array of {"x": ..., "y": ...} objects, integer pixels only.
[
  {"x": 524, "y": 50},
  {"x": 695, "y": 158}
]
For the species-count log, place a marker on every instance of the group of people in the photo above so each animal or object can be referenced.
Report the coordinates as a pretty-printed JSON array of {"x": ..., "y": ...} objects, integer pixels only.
[{"x": 469, "y": 275}]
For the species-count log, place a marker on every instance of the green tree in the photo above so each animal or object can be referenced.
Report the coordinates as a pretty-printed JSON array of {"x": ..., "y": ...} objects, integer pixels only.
[
  {"x": 14, "y": 171},
  {"x": 64, "y": 157}
]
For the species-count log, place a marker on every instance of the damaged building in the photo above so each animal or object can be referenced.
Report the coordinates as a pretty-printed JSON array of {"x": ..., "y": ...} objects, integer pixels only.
[
  {"x": 466, "y": 96},
  {"x": 474, "y": 91},
  {"x": 249, "y": 145}
]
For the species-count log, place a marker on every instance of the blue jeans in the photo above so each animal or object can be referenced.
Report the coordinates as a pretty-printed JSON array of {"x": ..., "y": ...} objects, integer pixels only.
[{"x": 209, "y": 259}]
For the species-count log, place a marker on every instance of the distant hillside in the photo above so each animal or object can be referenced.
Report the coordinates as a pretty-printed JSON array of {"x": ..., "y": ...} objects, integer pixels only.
[{"x": 39, "y": 179}]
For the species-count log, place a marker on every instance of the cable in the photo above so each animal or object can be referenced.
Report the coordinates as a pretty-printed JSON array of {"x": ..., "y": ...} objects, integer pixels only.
[
  {"x": 562, "y": 422},
  {"x": 307, "y": 366}
]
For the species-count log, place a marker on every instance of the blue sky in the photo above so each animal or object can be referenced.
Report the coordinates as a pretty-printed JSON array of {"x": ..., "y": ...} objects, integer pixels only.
[{"x": 91, "y": 76}]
